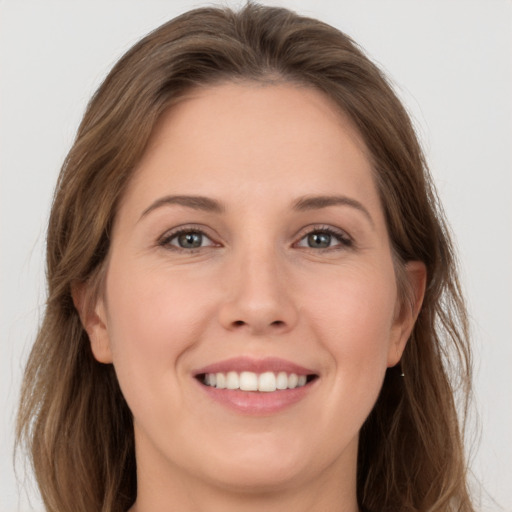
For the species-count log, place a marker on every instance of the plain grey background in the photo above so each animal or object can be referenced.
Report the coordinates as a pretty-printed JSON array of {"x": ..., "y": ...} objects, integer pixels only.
[{"x": 451, "y": 64}]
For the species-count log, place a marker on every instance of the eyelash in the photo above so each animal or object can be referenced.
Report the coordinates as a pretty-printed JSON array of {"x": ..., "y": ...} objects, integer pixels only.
[
  {"x": 166, "y": 239},
  {"x": 345, "y": 242}
]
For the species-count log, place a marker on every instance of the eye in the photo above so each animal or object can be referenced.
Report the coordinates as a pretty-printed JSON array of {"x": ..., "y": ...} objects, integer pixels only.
[
  {"x": 325, "y": 238},
  {"x": 186, "y": 239}
]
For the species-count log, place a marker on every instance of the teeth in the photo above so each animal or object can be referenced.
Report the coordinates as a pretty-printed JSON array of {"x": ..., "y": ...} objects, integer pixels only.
[
  {"x": 220, "y": 380},
  {"x": 211, "y": 379},
  {"x": 282, "y": 380},
  {"x": 250, "y": 381},
  {"x": 267, "y": 382},
  {"x": 232, "y": 380}
]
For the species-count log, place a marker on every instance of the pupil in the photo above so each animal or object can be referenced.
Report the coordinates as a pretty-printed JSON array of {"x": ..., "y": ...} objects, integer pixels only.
[
  {"x": 321, "y": 240},
  {"x": 190, "y": 240}
]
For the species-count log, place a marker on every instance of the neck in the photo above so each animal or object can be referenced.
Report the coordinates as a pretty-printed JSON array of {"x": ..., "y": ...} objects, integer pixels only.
[{"x": 161, "y": 488}]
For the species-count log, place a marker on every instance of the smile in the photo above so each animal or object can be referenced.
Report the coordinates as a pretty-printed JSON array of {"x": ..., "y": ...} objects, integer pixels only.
[
  {"x": 266, "y": 382},
  {"x": 253, "y": 386}
]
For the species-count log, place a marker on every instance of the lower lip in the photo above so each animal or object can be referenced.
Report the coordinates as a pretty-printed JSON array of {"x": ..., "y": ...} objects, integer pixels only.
[{"x": 257, "y": 403}]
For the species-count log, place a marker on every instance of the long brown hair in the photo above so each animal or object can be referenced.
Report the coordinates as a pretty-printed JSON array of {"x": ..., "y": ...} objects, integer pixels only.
[{"x": 73, "y": 418}]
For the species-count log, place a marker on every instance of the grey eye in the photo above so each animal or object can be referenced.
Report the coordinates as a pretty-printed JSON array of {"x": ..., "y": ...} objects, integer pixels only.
[
  {"x": 186, "y": 239},
  {"x": 325, "y": 238},
  {"x": 319, "y": 240},
  {"x": 190, "y": 240}
]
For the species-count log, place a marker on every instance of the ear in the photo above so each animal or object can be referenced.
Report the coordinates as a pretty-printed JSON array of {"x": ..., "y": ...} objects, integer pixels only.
[
  {"x": 94, "y": 320},
  {"x": 415, "y": 274}
]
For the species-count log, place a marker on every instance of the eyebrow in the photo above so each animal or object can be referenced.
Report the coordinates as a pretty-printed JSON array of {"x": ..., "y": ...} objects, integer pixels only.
[
  {"x": 195, "y": 202},
  {"x": 306, "y": 203},
  {"x": 318, "y": 202}
]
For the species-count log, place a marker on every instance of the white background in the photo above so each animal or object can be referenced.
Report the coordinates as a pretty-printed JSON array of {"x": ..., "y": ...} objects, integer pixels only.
[{"x": 451, "y": 64}]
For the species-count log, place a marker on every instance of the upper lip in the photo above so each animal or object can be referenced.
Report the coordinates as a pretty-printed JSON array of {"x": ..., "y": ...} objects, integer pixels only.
[{"x": 249, "y": 364}]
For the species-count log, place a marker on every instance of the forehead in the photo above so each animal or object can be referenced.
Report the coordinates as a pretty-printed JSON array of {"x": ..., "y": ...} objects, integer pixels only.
[{"x": 244, "y": 139}]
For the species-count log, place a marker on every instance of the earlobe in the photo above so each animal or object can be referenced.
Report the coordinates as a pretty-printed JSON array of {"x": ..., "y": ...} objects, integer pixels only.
[
  {"x": 415, "y": 273},
  {"x": 94, "y": 320}
]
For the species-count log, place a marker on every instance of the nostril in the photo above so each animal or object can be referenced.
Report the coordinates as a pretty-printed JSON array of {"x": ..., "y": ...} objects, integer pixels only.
[{"x": 275, "y": 323}]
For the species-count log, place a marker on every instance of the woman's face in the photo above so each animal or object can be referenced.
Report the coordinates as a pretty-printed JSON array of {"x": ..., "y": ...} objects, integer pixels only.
[{"x": 250, "y": 246}]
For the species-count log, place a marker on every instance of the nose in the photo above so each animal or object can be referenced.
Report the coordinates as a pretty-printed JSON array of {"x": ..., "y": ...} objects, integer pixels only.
[{"x": 259, "y": 296}]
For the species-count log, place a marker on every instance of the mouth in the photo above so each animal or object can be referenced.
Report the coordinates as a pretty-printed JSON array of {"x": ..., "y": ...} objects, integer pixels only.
[
  {"x": 263, "y": 382},
  {"x": 252, "y": 386}
]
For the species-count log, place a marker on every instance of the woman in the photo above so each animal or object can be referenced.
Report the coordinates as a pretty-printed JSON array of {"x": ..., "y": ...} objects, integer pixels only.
[{"x": 252, "y": 294}]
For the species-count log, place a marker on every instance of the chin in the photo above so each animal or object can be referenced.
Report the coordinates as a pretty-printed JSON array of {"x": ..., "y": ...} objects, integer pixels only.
[
  {"x": 267, "y": 465},
  {"x": 258, "y": 477}
]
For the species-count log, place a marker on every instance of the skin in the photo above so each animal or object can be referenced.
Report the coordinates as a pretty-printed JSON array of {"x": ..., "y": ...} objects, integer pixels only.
[{"x": 254, "y": 288}]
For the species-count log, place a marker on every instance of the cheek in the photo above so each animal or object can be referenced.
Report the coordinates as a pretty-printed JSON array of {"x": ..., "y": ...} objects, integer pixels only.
[
  {"x": 152, "y": 321},
  {"x": 356, "y": 307},
  {"x": 353, "y": 317}
]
